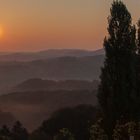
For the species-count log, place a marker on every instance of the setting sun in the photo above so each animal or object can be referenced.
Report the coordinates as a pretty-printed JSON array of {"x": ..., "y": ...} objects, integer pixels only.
[{"x": 1, "y": 32}]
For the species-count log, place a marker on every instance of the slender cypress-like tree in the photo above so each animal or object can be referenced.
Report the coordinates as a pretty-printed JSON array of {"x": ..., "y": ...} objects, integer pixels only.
[
  {"x": 138, "y": 72},
  {"x": 138, "y": 38},
  {"x": 116, "y": 92}
]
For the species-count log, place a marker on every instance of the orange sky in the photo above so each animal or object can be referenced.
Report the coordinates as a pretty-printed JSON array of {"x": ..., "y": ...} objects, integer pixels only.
[{"x": 31, "y": 25}]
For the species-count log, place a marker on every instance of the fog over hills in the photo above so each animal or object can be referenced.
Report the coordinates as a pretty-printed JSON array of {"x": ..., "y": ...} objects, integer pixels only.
[
  {"x": 31, "y": 108},
  {"x": 6, "y": 118},
  {"x": 60, "y": 68},
  {"x": 41, "y": 98},
  {"x": 38, "y": 84},
  {"x": 51, "y": 85}
]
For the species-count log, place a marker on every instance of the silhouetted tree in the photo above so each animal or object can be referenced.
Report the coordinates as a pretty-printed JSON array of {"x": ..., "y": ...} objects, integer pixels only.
[
  {"x": 5, "y": 133},
  {"x": 138, "y": 72},
  {"x": 97, "y": 132},
  {"x": 64, "y": 134},
  {"x": 123, "y": 131},
  {"x": 77, "y": 120},
  {"x": 19, "y": 132},
  {"x": 116, "y": 92},
  {"x": 40, "y": 135},
  {"x": 138, "y": 38}
]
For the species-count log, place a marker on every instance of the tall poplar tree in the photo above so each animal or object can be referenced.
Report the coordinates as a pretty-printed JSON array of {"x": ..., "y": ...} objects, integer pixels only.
[
  {"x": 138, "y": 38},
  {"x": 116, "y": 93},
  {"x": 138, "y": 72}
]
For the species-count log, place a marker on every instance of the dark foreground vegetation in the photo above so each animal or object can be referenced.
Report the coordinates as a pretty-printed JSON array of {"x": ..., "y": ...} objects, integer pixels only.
[
  {"x": 78, "y": 123},
  {"x": 117, "y": 116}
]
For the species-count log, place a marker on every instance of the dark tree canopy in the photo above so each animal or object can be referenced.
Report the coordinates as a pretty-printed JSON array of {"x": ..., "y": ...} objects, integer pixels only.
[
  {"x": 138, "y": 71},
  {"x": 5, "y": 133},
  {"x": 138, "y": 38},
  {"x": 116, "y": 92},
  {"x": 77, "y": 120},
  {"x": 19, "y": 132}
]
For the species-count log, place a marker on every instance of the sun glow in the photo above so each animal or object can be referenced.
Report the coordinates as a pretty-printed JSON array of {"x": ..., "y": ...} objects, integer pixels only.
[{"x": 1, "y": 32}]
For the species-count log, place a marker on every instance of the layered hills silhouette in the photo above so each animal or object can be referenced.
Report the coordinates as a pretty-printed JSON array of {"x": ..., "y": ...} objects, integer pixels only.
[
  {"x": 61, "y": 68},
  {"x": 51, "y": 85},
  {"x": 40, "y": 86},
  {"x": 6, "y": 118},
  {"x": 32, "y": 107},
  {"x": 47, "y": 54}
]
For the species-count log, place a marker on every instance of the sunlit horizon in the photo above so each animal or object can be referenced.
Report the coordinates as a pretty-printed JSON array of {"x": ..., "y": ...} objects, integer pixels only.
[{"x": 40, "y": 25}]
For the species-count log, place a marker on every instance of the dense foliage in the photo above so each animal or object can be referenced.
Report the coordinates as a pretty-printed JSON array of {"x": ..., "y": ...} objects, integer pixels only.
[
  {"x": 118, "y": 95},
  {"x": 17, "y": 132}
]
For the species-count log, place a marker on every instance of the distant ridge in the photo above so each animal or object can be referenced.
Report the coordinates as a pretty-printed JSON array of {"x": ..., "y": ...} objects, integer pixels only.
[
  {"x": 51, "y": 85},
  {"x": 48, "y": 54},
  {"x": 57, "y": 64}
]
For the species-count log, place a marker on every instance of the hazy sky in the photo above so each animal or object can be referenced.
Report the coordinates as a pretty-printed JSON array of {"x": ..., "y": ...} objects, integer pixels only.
[{"x": 46, "y": 24}]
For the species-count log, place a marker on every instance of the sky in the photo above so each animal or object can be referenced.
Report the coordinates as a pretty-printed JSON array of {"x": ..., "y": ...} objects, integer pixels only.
[{"x": 33, "y": 25}]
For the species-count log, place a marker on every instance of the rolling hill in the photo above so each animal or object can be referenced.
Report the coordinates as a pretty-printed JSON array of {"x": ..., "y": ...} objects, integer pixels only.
[
  {"x": 63, "y": 68},
  {"x": 32, "y": 107},
  {"x": 72, "y": 79},
  {"x": 47, "y": 54},
  {"x": 51, "y": 85}
]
